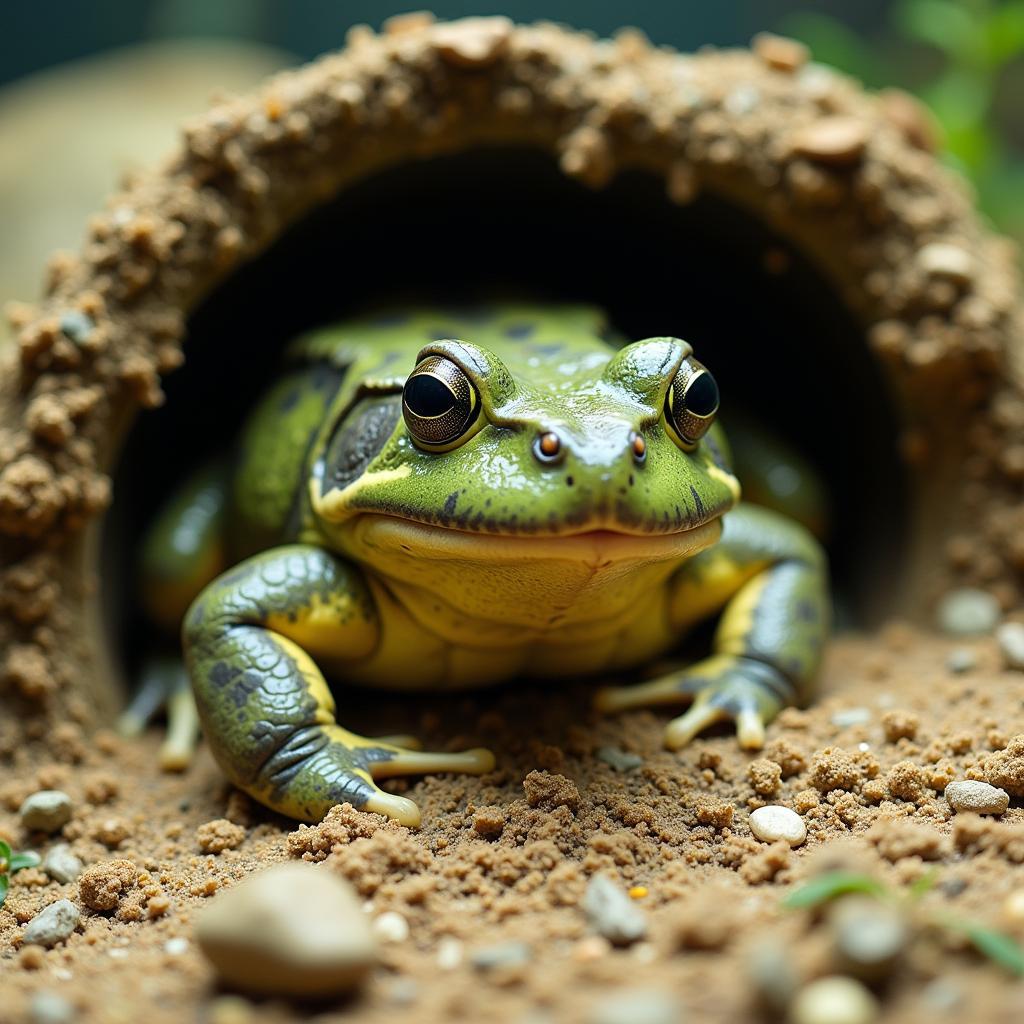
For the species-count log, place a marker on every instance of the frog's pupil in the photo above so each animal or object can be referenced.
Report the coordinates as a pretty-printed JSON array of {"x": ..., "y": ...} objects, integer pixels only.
[
  {"x": 702, "y": 395},
  {"x": 427, "y": 396}
]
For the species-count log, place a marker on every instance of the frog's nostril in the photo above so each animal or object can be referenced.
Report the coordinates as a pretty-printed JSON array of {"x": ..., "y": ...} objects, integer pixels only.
[
  {"x": 548, "y": 448},
  {"x": 638, "y": 446}
]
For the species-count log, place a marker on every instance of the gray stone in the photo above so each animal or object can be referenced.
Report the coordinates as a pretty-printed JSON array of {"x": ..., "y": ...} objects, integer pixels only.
[
  {"x": 620, "y": 760},
  {"x": 834, "y": 1000},
  {"x": 48, "y": 1007},
  {"x": 77, "y": 326},
  {"x": 637, "y": 1006},
  {"x": 52, "y": 925},
  {"x": 1010, "y": 637},
  {"x": 961, "y": 660},
  {"x": 979, "y": 797},
  {"x": 293, "y": 929},
  {"x": 869, "y": 936},
  {"x": 505, "y": 954},
  {"x": 48, "y": 811},
  {"x": 968, "y": 612},
  {"x": 61, "y": 864},
  {"x": 770, "y": 968},
  {"x": 851, "y": 716},
  {"x": 612, "y": 913}
]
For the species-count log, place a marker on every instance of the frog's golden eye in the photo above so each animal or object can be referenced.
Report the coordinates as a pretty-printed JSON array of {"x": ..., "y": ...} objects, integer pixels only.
[
  {"x": 439, "y": 403},
  {"x": 691, "y": 403}
]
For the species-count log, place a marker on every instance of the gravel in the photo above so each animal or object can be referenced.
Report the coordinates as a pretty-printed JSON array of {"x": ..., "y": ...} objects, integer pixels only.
[
  {"x": 52, "y": 925},
  {"x": 869, "y": 936},
  {"x": 390, "y": 926},
  {"x": 979, "y": 797},
  {"x": 505, "y": 954},
  {"x": 48, "y": 811},
  {"x": 61, "y": 864},
  {"x": 637, "y": 1006},
  {"x": 48, "y": 1007},
  {"x": 772, "y": 823},
  {"x": 834, "y": 1000},
  {"x": 1010, "y": 637},
  {"x": 968, "y": 612},
  {"x": 620, "y": 760},
  {"x": 612, "y": 913},
  {"x": 851, "y": 716},
  {"x": 961, "y": 660},
  {"x": 292, "y": 929}
]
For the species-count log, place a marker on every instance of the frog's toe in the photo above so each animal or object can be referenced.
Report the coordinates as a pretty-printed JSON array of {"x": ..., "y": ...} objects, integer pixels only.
[
  {"x": 417, "y": 762},
  {"x": 164, "y": 686},
  {"x": 399, "y": 808}
]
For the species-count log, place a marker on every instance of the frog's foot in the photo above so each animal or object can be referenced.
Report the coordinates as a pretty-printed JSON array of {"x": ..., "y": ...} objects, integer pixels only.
[
  {"x": 327, "y": 765},
  {"x": 724, "y": 686},
  {"x": 164, "y": 685}
]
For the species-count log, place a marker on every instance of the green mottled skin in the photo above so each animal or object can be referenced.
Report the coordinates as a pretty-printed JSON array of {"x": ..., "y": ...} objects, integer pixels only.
[{"x": 375, "y": 561}]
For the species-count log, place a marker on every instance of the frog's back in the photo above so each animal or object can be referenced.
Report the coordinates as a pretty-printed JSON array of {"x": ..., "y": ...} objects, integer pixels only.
[{"x": 325, "y": 369}]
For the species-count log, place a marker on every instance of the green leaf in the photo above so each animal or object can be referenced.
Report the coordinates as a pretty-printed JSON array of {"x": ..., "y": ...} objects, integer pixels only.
[
  {"x": 833, "y": 43},
  {"x": 5, "y": 883},
  {"x": 5, "y": 850},
  {"x": 828, "y": 887},
  {"x": 27, "y": 859},
  {"x": 999, "y": 948},
  {"x": 923, "y": 884},
  {"x": 1005, "y": 33},
  {"x": 951, "y": 28}
]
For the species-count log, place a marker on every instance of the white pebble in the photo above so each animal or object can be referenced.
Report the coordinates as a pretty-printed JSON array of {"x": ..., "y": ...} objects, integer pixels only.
[
  {"x": 847, "y": 717},
  {"x": 449, "y": 953},
  {"x": 772, "y": 823},
  {"x": 979, "y": 797},
  {"x": 945, "y": 260},
  {"x": 391, "y": 927},
  {"x": 176, "y": 946},
  {"x": 968, "y": 612},
  {"x": 1010, "y": 637},
  {"x": 834, "y": 1000}
]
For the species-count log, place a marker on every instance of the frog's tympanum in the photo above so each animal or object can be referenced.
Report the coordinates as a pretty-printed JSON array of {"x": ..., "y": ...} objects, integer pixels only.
[{"x": 440, "y": 499}]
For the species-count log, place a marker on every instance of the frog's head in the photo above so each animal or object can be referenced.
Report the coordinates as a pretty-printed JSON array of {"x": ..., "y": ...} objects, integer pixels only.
[{"x": 591, "y": 459}]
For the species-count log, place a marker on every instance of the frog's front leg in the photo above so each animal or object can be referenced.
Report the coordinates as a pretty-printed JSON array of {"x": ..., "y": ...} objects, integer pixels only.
[
  {"x": 250, "y": 642},
  {"x": 771, "y": 578}
]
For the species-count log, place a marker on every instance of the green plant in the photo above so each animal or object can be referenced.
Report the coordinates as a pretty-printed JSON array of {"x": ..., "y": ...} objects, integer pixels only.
[
  {"x": 965, "y": 60},
  {"x": 996, "y": 945},
  {"x": 11, "y": 862}
]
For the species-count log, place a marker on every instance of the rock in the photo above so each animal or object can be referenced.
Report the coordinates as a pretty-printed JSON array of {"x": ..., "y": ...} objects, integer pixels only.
[
  {"x": 869, "y": 936},
  {"x": 769, "y": 824},
  {"x": 292, "y": 929},
  {"x": 612, "y": 913},
  {"x": 637, "y": 1006},
  {"x": 979, "y": 797},
  {"x": 834, "y": 1000},
  {"x": 48, "y": 1007},
  {"x": 1010, "y": 637},
  {"x": 505, "y": 954},
  {"x": 102, "y": 886},
  {"x": 832, "y": 140},
  {"x": 472, "y": 42},
  {"x": 52, "y": 925},
  {"x": 770, "y": 968},
  {"x": 61, "y": 864},
  {"x": 390, "y": 927},
  {"x": 780, "y": 53},
  {"x": 851, "y": 716},
  {"x": 48, "y": 811},
  {"x": 449, "y": 953},
  {"x": 620, "y": 760},
  {"x": 941, "y": 259},
  {"x": 968, "y": 612},
  {"x": 960, "y": 660}
]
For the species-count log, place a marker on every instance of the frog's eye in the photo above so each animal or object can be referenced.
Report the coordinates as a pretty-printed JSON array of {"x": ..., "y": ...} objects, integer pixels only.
[
  {"x": 439, "y": 403},
  {"x": 691, "y": 403}
]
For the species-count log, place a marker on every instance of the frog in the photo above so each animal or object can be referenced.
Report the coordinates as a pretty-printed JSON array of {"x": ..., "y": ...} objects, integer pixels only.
[{"x": 432, "y": 499}]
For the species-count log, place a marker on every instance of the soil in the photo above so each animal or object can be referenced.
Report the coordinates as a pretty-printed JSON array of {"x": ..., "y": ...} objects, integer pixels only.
[{"x": 506, "y": 858}]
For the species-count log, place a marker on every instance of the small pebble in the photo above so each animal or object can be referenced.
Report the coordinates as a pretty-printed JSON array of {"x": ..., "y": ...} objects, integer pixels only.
[
  {"x": 176, "y": 946},
  {"x": 61, "y": 864},
  {"x": 52, "y": 925},
  {"x": 943, "y": 995},
  {"x": 968, "y": 612},
  {"x": 292, "y": 929},
  {"x": 769, "y": 824},
  {"x": 834, "y": 1000},
  {"x": 612, "y": 913},
  {"x": 449, "y": 953},
  {"x": 960, "y": 660},
  {"x": 391, "y": 927},
  {"x": 506, "y": 954},
  {"x": 780, "y": 53},
  {"x": 1010, "y": 637},
  {"x": 620, "y": 760},
  {"x": 637, "y": 1006},
  {"x": 48, "y": 1007},
  {"x": 48, "y": 811},
  {"x": 770, "y": 967},
  {"x": 979, "y": 797},
  {"x": 76, "y": 326},
  {"x": 230, "y": 1009},
  {"x": 1013, "y": 906},
  {"x": 851, "y": 716},
  {"x": 944, "y": 260},
  {"x": 869, "y": 936},
  {"x": 832, "y": 140}
]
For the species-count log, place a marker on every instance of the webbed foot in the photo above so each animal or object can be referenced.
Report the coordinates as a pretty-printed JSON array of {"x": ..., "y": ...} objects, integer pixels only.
[
  {"x": 164, "y": 686},
  {"x": 722, "y": 687}
]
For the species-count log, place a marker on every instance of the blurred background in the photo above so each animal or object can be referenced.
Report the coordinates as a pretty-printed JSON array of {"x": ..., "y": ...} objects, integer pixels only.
[{"x": 91, "y": 89}]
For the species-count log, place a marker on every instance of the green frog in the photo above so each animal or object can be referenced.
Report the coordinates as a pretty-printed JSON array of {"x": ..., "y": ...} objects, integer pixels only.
[{"x": 434, "y": 499}]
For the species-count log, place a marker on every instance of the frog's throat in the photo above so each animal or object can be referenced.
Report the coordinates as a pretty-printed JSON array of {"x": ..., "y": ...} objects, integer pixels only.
[{"x": 386, "y": 540}]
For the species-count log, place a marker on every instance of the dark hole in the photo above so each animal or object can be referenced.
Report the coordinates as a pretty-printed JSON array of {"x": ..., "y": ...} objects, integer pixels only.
[{"x": 460, "y": 228}]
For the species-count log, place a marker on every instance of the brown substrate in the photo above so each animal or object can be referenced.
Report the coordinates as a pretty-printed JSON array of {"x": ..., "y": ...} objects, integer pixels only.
[{"x": 507, "y": 857}]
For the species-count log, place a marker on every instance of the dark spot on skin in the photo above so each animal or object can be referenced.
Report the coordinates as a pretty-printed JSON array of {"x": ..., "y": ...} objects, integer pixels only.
[
  {"x": 569, "y": 481},
  {"x": 449, "y": 506},
  {"x": 631, "y": 480},
  {"x": 697, "y": 500},
  {"x": 241, "y": 689},
  {"x": 806, "y": 612},
  {"x": 222, "y": 673},
  {"x": 548, "y": 348},
  {"x": 523, "y": 330},
  {"x": 290, "y": 400}
]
